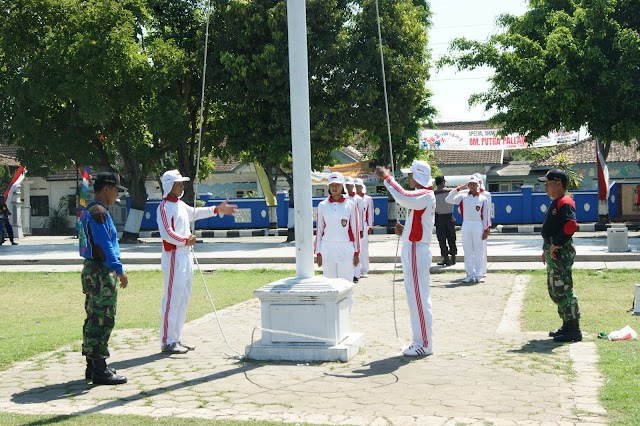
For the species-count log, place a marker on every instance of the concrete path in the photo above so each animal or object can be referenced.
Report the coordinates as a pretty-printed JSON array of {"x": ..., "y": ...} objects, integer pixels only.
[
  {"x": 484, "y": 370},
  {"x": 505, "y": 252}
]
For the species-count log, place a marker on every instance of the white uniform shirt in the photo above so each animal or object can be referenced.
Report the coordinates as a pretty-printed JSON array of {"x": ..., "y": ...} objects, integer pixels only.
[
  {"x": 473, "y": 208},
  {"x": 421, "y": 203},
  {"x": 367, "y": 213},
  {"x": 337, "y": 221},
  {"x": 174, "y": 217},
  {"x": 358, "y": 200}
]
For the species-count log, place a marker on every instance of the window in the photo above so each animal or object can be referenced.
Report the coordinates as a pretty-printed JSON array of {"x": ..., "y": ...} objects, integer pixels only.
[
  {"x": 319, "y": 192},
  {"x": 239, "y": 193},
  {"x": 39, "y": 205}
]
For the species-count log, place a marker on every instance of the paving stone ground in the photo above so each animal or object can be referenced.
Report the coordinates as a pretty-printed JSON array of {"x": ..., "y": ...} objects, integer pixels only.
[{"x": 485, "y": 371}]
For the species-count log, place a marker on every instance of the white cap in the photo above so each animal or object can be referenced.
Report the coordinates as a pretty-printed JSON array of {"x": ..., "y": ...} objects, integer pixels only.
[
  {"x": 421, "y": 171},
  {"x": 358, "y": 181},
  {"x": 335, "y": 177},
  {"x": 349, "y": 180},
  {"x": 474, "y": 179},
  {"x": 480, "y": 180},
  {"x": 169, "y": 178}
]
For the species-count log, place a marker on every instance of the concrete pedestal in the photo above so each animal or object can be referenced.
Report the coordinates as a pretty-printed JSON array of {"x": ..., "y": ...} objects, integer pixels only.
[{"x": 306, "y": 320}]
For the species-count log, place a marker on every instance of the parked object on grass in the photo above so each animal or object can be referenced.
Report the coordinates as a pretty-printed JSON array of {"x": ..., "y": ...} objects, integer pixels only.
[{"x": 626, "y": 333}]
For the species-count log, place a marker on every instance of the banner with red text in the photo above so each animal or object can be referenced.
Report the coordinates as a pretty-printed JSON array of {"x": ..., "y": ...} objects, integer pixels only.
[{"x": 486, "y": 139}]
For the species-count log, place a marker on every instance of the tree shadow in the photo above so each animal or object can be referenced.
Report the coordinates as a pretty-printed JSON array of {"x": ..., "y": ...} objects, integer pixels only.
[{"x": 75, "y": 388}]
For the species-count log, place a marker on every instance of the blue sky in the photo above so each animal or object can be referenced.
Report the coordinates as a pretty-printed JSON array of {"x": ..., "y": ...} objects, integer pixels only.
[{"x": 463, "y": 18}]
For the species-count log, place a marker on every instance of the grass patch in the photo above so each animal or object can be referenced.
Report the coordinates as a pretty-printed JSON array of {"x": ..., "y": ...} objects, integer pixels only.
[
  {"x": 605, "y": 297},
  {"x": 112, "y": 420},
  {"x": 45, "y": 311}
]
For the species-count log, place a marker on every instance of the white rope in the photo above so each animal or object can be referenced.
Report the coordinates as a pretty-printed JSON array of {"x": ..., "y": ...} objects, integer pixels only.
[
  {"x": 204, "y": 78},
  {"x": 386, "y": 107},
  {"x": 202, "y": 93}
]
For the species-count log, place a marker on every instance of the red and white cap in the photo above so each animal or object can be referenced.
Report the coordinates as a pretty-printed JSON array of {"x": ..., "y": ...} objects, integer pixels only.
[
  {"x": 335, "y": 177},
  {"x": 169, "y": 178}
]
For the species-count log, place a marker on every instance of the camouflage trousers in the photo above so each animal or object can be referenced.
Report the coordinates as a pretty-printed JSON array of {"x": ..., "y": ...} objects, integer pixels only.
[
  {"x": 101, "y": 297},
  {"x": 560, "y": 281}
]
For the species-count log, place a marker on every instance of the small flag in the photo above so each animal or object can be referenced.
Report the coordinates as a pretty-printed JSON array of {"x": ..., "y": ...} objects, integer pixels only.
[
  {"x": 603, "y": 174},
  {"x": 17, "y": 179},
  {"x": 86, "y": 178}
]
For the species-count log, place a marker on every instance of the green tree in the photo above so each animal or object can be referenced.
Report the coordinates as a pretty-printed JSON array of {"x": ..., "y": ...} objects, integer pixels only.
[
  {"x": 113, "y": 84},
  {"x": 563, "y": 64},
  {"x": 404, "y": 25},
  {"x": 77, "y": 87},
  {"x": 345, "y": 84},
  {"x": 561, "y": 161}
]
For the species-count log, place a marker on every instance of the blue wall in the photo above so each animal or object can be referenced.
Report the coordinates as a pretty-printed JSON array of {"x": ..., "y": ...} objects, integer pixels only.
[
  {"x": 253, "y": 213},
  {"x": 528, "y": 207},
  {"x": 524, "y": 207}
]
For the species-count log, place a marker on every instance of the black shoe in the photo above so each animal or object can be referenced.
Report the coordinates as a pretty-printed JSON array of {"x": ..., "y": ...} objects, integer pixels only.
[
  {"x": 559, "y": 331},
  {"x": 453, "y": 260},
  {"x": 445, "y": 262},
  {"x": 355, "y": 279},
  {"x": 13, "y": 243},
  {"x": 103, "y": 376},
  {"x": 88, "y": 372},
  {"x": 571, "y": 334}
]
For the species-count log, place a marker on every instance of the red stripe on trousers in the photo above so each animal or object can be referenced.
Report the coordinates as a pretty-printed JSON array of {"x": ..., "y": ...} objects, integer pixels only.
[
  {"x": 416, "y": 288},
  {"x": 165, "y": 328}
]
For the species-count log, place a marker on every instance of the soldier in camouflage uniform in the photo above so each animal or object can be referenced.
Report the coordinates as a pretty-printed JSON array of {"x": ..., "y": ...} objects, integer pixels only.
[
  {"x": 558, "y": 254},
  {"x": 98, "y": 243}
]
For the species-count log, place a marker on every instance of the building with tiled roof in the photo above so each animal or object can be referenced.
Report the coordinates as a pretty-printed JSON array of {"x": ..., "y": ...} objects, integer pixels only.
[
  {"x": 7, "y": 160},
  {"x": 462, "y": 125}
]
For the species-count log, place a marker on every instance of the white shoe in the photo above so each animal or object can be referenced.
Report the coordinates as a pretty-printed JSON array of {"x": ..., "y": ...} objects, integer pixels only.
[
  {"x": 414, "y": 350},
  {"x": 468, "y": 280},
  {"x": 364, "y": 275}
]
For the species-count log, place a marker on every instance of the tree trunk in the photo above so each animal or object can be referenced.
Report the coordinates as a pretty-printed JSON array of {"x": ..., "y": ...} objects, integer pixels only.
[
  {"x": 272, "y": 175},
  {"x": 138, "y": 194},
  {"x": 291, "y": 231}
]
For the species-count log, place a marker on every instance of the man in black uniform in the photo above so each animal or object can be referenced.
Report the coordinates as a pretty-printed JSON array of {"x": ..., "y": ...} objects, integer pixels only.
[
  {"x": 558, "y": 254},
  {"x": 445, "y": 224}
]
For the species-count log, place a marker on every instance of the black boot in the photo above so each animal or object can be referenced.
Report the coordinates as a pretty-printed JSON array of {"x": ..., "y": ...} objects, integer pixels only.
[
  {"x": 572, "y": 334},
  {"x": 565, "y": 325},
  {"x": 444, "y": 262},
  {"x": 453, "y": 260},
  {"x": 103, "y": 376},
  {"x": 88, "y": 372}
]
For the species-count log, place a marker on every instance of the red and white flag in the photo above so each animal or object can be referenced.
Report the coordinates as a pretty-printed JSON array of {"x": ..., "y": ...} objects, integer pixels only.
[
  {"x": 603, "y": 174},
  {"x": 17, "y": 178}
]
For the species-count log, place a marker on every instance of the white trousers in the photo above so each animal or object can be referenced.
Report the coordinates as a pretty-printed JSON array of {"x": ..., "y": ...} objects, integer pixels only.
[
  {"x": 416, "y": 259},
  {"x": 473, "y": 246},
  {"x": 337, "y": 260},
  {"x": 177, "y": 269},
  {"x": 363, "y": 266}
]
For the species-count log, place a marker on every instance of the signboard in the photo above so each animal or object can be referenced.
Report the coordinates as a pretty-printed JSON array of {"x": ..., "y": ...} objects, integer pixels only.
[{"x": 486, "y": 139}]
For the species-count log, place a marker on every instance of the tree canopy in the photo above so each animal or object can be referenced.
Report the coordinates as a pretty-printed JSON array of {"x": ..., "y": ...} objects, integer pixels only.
[
  {"x": 116, "y": 83},
  {"x": 563, "y": 64}
]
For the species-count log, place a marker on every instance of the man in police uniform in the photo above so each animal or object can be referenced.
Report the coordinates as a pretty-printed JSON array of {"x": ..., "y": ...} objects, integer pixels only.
[
  {"x": 445, "y": 224},
  {"x": 558, "y": 254},
  {"x": 98, "y": 243}
]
